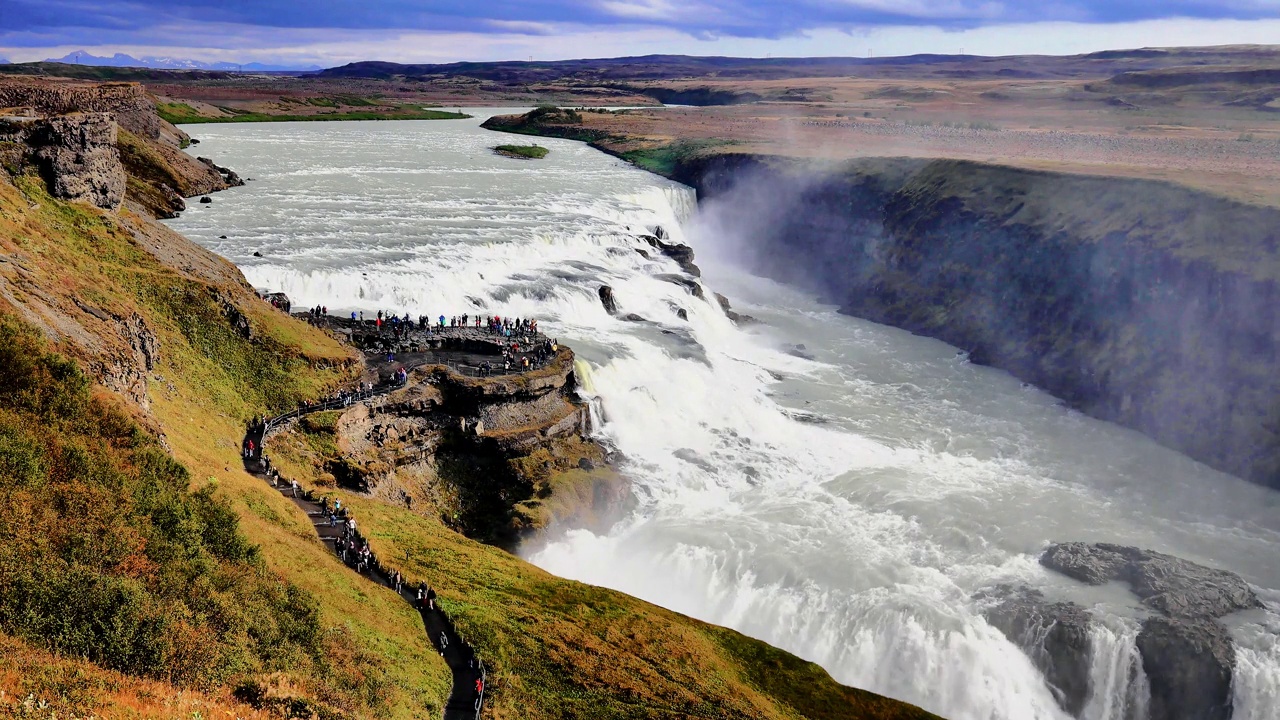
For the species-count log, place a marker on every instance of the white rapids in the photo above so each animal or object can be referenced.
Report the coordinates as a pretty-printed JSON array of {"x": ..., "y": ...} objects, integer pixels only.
[{"x": 844, "y": 500}]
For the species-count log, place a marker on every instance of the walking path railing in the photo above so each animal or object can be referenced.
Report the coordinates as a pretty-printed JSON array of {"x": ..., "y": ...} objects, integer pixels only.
[{"x": 470, "y": 677}]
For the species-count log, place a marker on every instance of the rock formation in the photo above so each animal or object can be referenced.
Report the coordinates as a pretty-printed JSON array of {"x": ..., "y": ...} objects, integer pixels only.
[
  {"x": 1189, "y": 664},
  {"x": 1173, "y": 586},
  {"x": 1187, "y": 655},
  {"x": 149, "y": 148},
  {"x": 1055, "y": 635},
  {"x": 481, "y": 450},
  {"x": 607, "y": 300},
  {"x": 682, "y": 254},
  {"x": 75, "y": 154}
]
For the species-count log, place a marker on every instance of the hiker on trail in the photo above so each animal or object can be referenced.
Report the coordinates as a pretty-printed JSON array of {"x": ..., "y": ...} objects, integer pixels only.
[
  {"x": 422, "y": 594},
  {"x": 251, "y": 447},
  {"x": 431, "y": 598},
  {"x": 294, "y": 485},
  {"x": 441, "y": 322},
  {"x": 479, "y": 687}
]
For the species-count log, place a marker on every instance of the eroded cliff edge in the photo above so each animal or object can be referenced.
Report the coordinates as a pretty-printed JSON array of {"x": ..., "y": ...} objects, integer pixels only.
[{"x": 1139, "y": 302}]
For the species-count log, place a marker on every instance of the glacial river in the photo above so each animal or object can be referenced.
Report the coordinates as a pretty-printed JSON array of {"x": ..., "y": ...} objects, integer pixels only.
[{"x": 844, "y": 500}]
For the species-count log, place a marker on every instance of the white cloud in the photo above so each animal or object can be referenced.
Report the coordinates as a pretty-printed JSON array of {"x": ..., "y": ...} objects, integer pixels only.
[{"x": 558, "y": 42}]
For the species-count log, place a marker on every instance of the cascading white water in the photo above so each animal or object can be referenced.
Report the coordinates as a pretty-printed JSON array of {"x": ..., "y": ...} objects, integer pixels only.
[
  {"x": 1119, "y": 688},
  {"x": 845, "y": 500}
]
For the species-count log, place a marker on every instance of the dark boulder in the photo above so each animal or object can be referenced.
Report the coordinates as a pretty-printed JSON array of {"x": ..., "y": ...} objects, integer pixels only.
[
  {"x": 257, "y": 254},
  {"x": 607, "y": 300},
  {"x": 228, "y": 176},
  {"x": 1055, "y": 635},
  {"x": 206, "y": 200},
  {"x": 1189, "y": 667},
  {"x": 1176, "y": 587},
  {"x": 693, "y": 286},
  {"x": 682, "y": 254},
  {"x": 632, "y": 317},
  {"x": 682, "y": 313}
]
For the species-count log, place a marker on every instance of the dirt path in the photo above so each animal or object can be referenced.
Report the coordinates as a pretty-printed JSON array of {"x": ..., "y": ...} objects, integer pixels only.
[{"x": 466, "y": 699}]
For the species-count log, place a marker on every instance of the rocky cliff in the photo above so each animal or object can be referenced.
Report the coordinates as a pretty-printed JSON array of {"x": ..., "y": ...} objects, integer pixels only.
[
  {"x": 1139, "y": 302},
  {"x": 160, "y": 175},
  {"x": 75, "y": 154},
  {"x": 500, "y": 458}
]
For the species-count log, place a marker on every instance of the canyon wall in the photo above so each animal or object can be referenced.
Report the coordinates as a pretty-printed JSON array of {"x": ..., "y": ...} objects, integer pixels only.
[
  {"x": 160, "y": 175},
  {"x": 1139, "y": 302},
  {"x": 75, "y": 154}
]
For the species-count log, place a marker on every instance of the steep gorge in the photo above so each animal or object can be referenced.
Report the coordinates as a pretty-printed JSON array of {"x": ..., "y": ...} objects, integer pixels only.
[{"x": 1140, "y": 302}]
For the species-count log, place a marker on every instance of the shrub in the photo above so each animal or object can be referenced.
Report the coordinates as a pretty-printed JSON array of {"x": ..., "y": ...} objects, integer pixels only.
[{"x": 105, "y": 551}]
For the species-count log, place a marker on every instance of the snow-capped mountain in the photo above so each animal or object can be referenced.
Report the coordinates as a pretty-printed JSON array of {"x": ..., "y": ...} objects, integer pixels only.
[{"x": 168, "y": 63}]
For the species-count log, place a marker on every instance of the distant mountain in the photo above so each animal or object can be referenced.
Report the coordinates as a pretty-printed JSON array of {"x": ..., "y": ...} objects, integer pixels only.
[
  {"x": 168, "y": 63},
  {"x": 4, "y": 61},
  {"x": 616, "y": 71}
]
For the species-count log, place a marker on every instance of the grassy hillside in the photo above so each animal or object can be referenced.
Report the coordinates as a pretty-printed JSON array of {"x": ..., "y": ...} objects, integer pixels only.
[
  {"x": 557, "y": 648},
  {"x": 182, "y": 569}
]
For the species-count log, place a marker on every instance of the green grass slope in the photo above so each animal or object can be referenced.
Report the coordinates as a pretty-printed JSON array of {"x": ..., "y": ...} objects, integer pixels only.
[
  {"x": 178, "y": 567},
  {"x": 558, "y": 648}
]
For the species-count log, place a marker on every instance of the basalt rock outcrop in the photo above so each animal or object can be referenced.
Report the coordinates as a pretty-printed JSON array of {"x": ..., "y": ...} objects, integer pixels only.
[
  {"x": 1170, "y": 585},
  {"x": 1187, "y": 655},
  {"x": 682, "y": 254},
  {"x": 484, "y": 452},
  {"x": 75, "y": 155},
  {"x": 159, "y": 173},
  {"x": 1140, "y": 302},
  {"x": 1057, "y": 638}
]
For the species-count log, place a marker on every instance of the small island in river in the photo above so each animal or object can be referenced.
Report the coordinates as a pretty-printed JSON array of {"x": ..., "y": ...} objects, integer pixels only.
[{"x": 523, "y": 152}]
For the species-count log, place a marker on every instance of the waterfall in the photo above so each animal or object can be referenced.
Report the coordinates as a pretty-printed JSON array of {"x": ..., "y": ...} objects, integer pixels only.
[{"x": 845, "y": 500}]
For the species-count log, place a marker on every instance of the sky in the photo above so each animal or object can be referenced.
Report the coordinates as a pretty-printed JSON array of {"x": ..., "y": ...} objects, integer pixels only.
[{"x": 334, "y": 32}]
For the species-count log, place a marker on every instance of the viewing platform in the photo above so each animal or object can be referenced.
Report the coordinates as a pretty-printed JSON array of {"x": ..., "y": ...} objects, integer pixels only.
[{"x": 472, "y": 351}]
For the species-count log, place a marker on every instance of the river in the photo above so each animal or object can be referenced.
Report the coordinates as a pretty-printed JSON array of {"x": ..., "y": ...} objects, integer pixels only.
[{"x": 835, "y": 487}]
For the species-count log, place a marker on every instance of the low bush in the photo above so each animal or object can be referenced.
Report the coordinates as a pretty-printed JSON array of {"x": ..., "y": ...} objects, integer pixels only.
[{"x": 106, "y": 552}]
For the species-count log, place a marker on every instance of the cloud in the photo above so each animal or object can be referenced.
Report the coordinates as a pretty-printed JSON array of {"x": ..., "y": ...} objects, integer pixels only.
[
  {"x": 331, "y": 32},
  {"x": 76, "y": 21}
]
